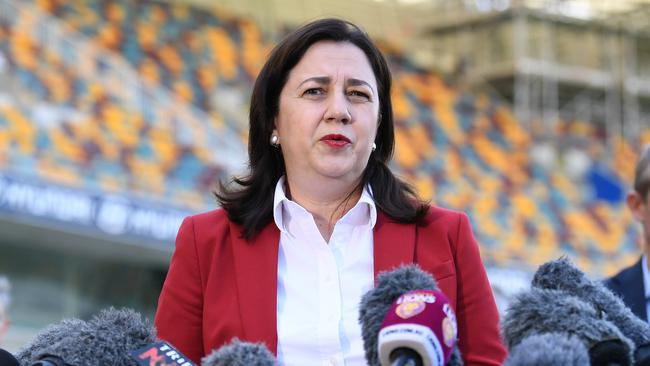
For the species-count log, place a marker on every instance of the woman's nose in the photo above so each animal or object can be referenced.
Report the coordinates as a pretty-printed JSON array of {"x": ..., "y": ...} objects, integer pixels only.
[{"x": 338, "y": 109}]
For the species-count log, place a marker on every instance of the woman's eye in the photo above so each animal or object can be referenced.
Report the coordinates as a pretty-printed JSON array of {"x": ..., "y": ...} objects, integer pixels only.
[
  {"x": 359, "y": 94},
  {"x": 314, "y": 91}
]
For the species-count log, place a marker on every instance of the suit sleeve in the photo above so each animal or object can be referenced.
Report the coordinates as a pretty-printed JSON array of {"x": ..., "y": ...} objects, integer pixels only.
[
  {"x": 180, "y": 306},
  {"x": 478, "y": 319}
]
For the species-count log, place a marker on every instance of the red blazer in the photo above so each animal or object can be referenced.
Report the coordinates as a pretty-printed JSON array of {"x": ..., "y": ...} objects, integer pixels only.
[{"x": 219, "y": 286}]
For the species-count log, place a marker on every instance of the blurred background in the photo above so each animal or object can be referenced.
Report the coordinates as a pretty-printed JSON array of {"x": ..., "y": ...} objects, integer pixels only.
[{"x": 117, "y": 117}]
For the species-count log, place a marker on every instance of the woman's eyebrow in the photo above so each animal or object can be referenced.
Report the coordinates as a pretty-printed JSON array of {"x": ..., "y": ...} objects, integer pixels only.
[
  {"x": 358, "y": 82},
  {"x": 326, "y": 80},
  {"x": 318, "y": 79}
]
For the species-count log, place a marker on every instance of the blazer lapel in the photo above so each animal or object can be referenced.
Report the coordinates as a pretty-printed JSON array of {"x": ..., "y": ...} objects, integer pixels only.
[
  {"x": 256, "y": 270},
  {"x": 394, "y": 244}
]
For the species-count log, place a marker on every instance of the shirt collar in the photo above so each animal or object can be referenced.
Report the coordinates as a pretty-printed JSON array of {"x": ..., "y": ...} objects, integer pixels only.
[
  {"x": 280, "y": 199},
  {"x": 646, "y": 276}
]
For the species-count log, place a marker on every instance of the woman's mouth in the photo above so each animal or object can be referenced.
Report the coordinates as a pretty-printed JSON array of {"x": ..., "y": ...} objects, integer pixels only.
[{"x": 336, "y": 140}]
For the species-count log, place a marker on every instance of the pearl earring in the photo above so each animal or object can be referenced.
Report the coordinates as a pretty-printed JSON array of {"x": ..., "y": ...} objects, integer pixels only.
[
  {"x": 275, "y": 140},
  {"x": 374, "y": 146}
]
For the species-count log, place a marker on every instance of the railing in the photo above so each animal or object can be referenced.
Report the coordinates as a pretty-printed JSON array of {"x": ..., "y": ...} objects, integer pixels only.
[{"x": 123, "y": 83}]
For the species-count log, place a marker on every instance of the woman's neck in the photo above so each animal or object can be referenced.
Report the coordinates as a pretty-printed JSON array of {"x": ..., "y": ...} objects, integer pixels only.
[{"x": 325, "y": 202}]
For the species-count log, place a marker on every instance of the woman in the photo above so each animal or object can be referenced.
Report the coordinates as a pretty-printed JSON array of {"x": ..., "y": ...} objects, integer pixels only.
[{"x": 302, "y": 237}]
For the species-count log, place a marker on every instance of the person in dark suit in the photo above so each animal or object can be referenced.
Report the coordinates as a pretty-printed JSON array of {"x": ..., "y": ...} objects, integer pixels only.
[
  {"x": 632, "y": 284},
  {"x": 303, "y": 236}
]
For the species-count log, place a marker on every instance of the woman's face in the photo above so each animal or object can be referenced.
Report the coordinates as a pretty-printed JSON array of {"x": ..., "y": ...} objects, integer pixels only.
[{"x": 327, "y": 119}]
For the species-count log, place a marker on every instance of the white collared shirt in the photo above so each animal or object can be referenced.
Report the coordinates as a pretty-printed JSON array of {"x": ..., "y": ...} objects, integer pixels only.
[
  {"x": 646, "y": 285},
  {"x": 320, "y": 284}
]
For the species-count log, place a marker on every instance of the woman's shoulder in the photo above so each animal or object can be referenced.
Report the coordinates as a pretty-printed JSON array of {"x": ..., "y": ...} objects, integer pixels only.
[
  {"x": 218, "y": 214},
  {"x": 440, "y": 215},
  {"x": 214, "y": 221}
]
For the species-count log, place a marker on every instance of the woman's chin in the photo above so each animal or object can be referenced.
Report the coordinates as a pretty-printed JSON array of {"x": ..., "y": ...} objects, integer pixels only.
[{"x": 340, "y": 173}]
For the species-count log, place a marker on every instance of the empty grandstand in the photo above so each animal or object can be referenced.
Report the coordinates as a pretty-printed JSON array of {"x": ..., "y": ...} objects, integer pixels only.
[{"x": 117, "y": 117}]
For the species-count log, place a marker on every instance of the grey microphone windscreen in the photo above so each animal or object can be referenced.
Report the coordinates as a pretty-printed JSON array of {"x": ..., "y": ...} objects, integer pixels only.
[
  {"x": 541, "y": 311},
  {"x": 48, "y": 336},
  {"x": 106, "y": 339},
  {"x": 562, "y": 274},
  {"x": 238, "y": 353},
  {"x": 549, "y": 349}
]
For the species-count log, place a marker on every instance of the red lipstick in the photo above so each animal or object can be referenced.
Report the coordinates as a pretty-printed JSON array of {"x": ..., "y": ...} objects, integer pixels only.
[{"x": 336, "y": 140}]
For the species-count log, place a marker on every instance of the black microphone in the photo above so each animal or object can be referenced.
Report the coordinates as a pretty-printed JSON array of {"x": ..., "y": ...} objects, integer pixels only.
[
  {"x": 548, "y": 349},
  {"x": 239, "y": 353},
  {"x": 106, "y": 339},
  {"x": 376, "y": 306},
  {"x": 7, "y": 359},
  {"x": 562, "y": 274},
  {"x": 541, "y": 311}
]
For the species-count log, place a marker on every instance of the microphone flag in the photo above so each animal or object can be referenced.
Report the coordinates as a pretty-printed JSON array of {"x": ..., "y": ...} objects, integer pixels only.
[
  {"x": 160, "y": 354},
  {"x": 421, "y": 320}
]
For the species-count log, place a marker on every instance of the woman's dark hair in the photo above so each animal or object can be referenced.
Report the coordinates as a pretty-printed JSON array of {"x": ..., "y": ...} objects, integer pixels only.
[{"x": 251, "y": 204}]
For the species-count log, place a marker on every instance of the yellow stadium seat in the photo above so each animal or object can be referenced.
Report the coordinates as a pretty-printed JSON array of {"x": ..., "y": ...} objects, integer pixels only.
[
  {"x": 404, "y": 152},
  {"x": 56, "y": 172},
  {"x": 146, "y": 34},
  {"x": 110, "y": 37},
  {"x": 164, "y": 147},
  {"x": 115, "y": 12},
  {"x": 184, "y": 91},
  {"x": 401, "y": 106},
  {"x": 157, "y": 14},
  {"x": 67, "y": 146},
  {"x": 147, "y": 176},
  {"x": 171, "y": 59},
  {"x": 207, "y": 77},
  {"x": 253, "y": 53},
  {"x": 224, "y": 52},
  {"x": 21, "y": 130},
  {"x": 424, "y": 186}
]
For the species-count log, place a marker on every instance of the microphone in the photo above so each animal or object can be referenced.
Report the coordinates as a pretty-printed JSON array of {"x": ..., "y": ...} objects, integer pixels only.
[
  {"x": 376, "y": 304},
  {"x": 238, "y": 353},
  {"x": 419, "y": 329},
  {"x": 541, "y": 311},
  {"x": 7, "y": 359},
  {"x": 562, "y": 274},
  {"x": 106, "y": 339},
  {"x": 548, "y": 349},
  {"x": 46, "y": 337}
]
